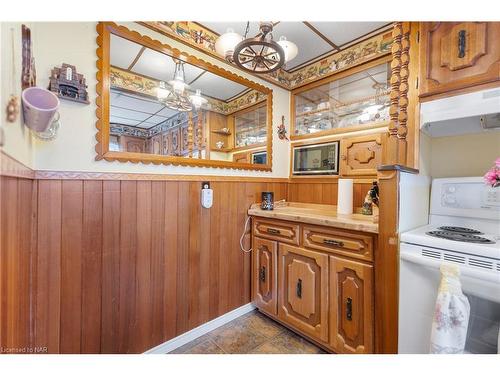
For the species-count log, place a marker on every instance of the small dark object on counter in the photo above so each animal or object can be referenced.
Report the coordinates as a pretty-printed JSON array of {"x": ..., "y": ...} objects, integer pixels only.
[
  {"x": 371, "y": 199},
  {"x": 267, "y": 200}
]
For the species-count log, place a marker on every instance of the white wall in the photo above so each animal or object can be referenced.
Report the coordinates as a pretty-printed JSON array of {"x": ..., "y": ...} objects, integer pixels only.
[
  {"x": 73, "y": 150},
  {"x": 464, "y": 155},
  {"x": 17, "y": 139}
]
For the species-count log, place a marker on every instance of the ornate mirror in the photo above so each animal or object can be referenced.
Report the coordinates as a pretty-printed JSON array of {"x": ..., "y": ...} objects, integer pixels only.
[{"x": 158, "y": 105}]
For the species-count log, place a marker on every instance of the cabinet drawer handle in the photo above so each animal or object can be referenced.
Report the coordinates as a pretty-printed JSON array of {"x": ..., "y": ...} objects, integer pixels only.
[
  {"x": 348, "y": 308},
  {"x": 327, "y": 241},
  {"x": 461, "y": 43},
  {"x": 299, "y": 288},
  {"x": 273, "y": 231},
  {"x": 262, "y": 274}
]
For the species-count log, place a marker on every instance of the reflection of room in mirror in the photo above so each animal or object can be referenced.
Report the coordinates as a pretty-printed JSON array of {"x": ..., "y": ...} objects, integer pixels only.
[{"x": 163, "y": 106}]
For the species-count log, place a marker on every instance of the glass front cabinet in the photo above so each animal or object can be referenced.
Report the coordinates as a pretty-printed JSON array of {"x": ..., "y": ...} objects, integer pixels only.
[{"x": 347, "y": 101}]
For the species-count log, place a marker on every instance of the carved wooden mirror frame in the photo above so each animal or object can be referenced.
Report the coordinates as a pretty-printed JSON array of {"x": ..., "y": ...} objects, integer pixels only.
[{"x": 104, "y": 31}]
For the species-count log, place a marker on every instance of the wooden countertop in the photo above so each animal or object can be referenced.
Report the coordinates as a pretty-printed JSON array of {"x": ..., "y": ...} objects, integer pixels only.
[{"x": 318, "y": 214}]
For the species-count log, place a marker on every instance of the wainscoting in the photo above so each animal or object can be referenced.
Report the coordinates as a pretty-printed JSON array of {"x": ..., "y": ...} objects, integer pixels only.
[
  {"x": 324, "y": 192},
  {"x": 120, "y": 266},
  {"x": 17, "y": 196}
]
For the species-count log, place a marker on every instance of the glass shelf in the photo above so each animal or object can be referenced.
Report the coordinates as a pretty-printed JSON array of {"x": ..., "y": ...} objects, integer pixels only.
[{"x": 358, "y": 99}]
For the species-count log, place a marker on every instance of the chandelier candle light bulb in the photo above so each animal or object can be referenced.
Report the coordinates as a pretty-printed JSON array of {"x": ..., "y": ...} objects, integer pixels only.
[
  {"x": 226, "y": 43},
  {"x": 289, "y": 48}
]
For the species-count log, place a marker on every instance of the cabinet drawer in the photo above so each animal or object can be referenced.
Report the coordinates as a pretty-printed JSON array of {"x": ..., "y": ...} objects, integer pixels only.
[
  {"x": 279, "y": 231},
  {"x": 351, "y": 244}
]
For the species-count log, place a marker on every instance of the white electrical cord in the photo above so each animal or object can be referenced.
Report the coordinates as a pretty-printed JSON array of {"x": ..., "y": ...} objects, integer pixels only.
[
  {"x": 243, "y": 236},
  {"x": 279, "y": 203}
]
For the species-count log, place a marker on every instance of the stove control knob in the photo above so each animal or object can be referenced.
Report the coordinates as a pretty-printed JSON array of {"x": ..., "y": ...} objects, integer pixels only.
[{"x": 450, "y": 199}]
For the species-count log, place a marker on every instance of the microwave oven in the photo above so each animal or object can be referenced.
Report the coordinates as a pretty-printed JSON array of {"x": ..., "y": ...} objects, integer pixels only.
[{"x": 318, "y": 159}]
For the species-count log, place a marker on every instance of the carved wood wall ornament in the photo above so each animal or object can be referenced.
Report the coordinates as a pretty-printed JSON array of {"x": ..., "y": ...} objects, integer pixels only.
[
  {"x": 396, "y": 147},
  {"x": 395, "y": 82}
]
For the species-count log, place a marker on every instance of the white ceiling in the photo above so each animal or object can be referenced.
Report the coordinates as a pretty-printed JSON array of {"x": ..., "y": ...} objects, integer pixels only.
[
  {"x": 134, "y": 110},
  {"x": 309, "y": 43}
]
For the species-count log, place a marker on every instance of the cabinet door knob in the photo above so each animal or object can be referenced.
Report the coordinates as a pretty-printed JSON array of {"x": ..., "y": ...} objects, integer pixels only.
[
  {"x": 348, "y": 308},
  {"x": 298, "y": 288},
  {"x": 262, "y": 274}
]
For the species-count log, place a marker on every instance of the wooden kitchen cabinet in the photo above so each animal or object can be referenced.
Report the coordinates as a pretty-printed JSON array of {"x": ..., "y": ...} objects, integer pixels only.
[
  {"x": 360, "y": 156},
  {"x": 458, "y": 55},
  {"x": 351, "y": 306},
  {"x": 241, "y": 157},
  {"x": 309, "y": 276},
  {"x": 264, "y": 274},
  {"x": 303, "y": 290}
]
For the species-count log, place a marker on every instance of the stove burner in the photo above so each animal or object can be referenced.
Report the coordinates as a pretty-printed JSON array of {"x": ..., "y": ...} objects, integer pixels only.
[
  {"x": 460, "y": 230},
  {"x": 461, "y": 237}
]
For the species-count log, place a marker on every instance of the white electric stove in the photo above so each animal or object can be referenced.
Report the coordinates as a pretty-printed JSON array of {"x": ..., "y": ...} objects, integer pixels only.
[{"x": 463, "y": 229}]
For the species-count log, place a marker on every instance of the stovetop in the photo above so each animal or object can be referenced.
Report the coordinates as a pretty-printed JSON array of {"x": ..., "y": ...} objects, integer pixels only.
[
  {"x": 459, "y": 236},
  {"x": 462, "y": 230},
  {"x": 466, "y": 239}
]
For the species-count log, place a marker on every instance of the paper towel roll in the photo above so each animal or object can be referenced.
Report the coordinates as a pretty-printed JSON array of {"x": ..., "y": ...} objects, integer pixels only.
[{"x": 344, "y": 200}]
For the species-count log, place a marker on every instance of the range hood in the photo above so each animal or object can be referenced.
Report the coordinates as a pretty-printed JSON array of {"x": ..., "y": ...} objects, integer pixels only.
[{"x": 462, "y": 114}]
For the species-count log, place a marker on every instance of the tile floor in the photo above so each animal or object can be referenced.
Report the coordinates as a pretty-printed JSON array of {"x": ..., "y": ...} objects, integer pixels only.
[{"x": 252, "y": 333}]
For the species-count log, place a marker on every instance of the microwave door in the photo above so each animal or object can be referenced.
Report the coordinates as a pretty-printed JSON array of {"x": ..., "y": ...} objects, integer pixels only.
[{"x": 316, "y": 159}]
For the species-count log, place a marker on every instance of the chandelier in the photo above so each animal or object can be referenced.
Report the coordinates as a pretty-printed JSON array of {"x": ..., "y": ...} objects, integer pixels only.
[
  {"x": 176, "y": 95},
  {"x": 260, "y": 54}
]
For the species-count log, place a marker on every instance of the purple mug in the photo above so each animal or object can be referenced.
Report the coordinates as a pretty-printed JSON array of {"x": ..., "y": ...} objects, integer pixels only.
[{"x": 39, "y": 108}]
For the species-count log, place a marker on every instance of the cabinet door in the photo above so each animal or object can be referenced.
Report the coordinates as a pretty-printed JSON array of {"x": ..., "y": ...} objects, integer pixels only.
[
  {"x": 303, "y": 290},
  {"x": 264, "y": 274},
  {"x": 458, "y": 55},
  {"x": 241, "y": 157},
  {"x": 351, "y": 306},
  {"x": 360, "y": 155}
]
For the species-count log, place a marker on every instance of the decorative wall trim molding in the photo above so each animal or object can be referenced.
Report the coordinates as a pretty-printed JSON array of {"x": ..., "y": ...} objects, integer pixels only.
[
  {"x": 13, "y": 168},
  {"x": 69, "y": 175},
  {"x": 136, "y": 83},
  {"x": 189, "y": 336}
]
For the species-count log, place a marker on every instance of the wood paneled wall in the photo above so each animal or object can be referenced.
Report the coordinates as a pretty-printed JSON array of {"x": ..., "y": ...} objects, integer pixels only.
[
  {"x": 104, "y": 266},
  {"x": 120, "y": 266},
  {"x": 16, "y": 202},
  {"x": 324, "y": 192}
]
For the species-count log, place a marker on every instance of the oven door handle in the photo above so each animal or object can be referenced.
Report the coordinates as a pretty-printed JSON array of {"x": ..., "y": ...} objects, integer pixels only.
[{"x": 493, "y": 276}]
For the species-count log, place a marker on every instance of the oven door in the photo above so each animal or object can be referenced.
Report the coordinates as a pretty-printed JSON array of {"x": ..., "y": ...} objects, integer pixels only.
[
  {"x": 418, "y": 289},
  {"x": 319, "y": 159}
]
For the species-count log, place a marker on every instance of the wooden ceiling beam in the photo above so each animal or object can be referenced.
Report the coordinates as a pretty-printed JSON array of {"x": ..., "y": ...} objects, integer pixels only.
[{"x": 322, "y": 36}]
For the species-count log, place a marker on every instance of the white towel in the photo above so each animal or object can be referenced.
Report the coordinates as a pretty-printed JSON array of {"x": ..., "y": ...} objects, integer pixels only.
[{"x": 451, "y": 315}]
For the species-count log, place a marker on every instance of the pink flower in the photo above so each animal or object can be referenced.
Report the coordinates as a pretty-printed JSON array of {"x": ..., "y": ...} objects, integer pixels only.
[
  {"x": 490, "y": 177},
  {"x": 497, "y": 163}
]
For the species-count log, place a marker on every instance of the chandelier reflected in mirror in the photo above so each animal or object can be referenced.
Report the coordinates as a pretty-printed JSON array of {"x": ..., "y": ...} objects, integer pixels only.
[
  {"x": 260, "y": 54},
  {"x": 176, "y": 95}
]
